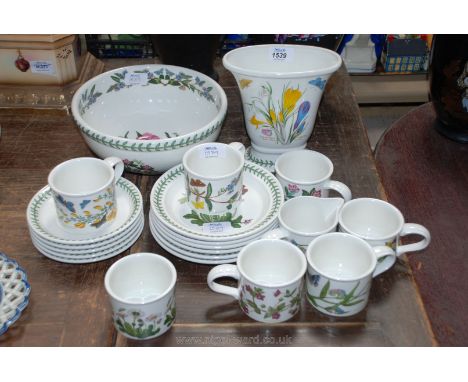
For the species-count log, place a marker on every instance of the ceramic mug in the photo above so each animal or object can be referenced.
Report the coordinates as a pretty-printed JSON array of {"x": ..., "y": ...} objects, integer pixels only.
[
  {"x": 304, "y": 218},
  {"x": 270, "y": 280},
  {"x": 213, "y": 177},
  {"x": 380, "y": 223},
  {"x": 340, "y": 268},
  {"x": 141, "y": 289},
  {"x": 307, "y": 173},
  {"x": 84, "y": 192}
]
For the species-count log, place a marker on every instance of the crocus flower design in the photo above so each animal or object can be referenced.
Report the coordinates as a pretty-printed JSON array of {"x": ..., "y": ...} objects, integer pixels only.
[{"x": 280, "y": 116}]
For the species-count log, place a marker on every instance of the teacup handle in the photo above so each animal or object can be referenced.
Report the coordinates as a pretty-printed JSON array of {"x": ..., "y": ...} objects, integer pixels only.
[
  {"x": 386, "y": 257},
  {"x": 238, "y": 146},
  {"x": 414, "y": 229},
  {"x": 339, "y": 187},
  {"x": 118, "y": 166},
  {"x": 277, "y": 233},
  {"x": 224, "y": 270}
]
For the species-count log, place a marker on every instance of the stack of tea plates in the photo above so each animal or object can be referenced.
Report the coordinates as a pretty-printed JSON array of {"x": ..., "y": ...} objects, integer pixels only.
[
  {"x": 187, "y": 234},
  {"x": 68, "y": 246}
]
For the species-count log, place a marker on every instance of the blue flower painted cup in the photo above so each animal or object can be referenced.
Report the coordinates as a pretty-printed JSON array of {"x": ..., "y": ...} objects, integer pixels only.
[{"x": 84, "y": 192}]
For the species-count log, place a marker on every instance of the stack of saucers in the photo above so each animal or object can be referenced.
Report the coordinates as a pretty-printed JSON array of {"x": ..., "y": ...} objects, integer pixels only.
[
  {"x": 66, "y": 246},
  {"x": 195, "y": 237}
]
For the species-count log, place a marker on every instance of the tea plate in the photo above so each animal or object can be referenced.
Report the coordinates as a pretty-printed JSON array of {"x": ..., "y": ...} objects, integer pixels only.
[
  {"x": 208, "y": 247},
  {"x": 89, "y": 248},
  {"x": 188, "y": 255},
  {"x": 82, "y": 259},
  {"x": 42, "y": 217},
  {"x": 97, "y": 249},
  {"x": 209, "y": 252},
  {"x": 14, "y": 292},
  {"x": 258, "y": 210}
]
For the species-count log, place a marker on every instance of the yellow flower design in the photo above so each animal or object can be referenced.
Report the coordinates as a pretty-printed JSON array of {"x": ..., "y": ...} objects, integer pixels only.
[
  {"x": 112, "y": 214},
  {"x": 291, "y": 96},
  {"x": 80, "y": 225},
  {"x": 272, "y": 116},
  {"x": 199, "y": 205},
  {"x": 244, "y": 83},
  {"x": 256, "y": 122}
]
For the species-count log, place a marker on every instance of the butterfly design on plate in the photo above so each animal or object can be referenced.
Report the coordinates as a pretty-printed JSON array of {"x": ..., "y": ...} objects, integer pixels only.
[
  {"x": 68, "y": 205},
  {"x": 318, "y": 82}
]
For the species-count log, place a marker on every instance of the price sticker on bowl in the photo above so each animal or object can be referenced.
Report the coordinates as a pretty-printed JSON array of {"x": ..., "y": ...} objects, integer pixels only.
[
  {"x": 136, "y": 79},
  {"x": 212, "y": 151},
  {"x": 216, "y": 227},
  {"x": 283, "y": 54}
]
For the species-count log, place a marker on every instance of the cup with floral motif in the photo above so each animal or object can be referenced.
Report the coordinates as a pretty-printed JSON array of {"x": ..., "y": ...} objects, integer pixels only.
[
  {"x": 270, "y": 276},
  {"x": 381, "y": 223},
  {"x": 84, "y": 192},
  {"x": 305, "y": 218},
  {"x": 214, "y": 179},
  {"x": 308, "y": 173},
  {"x": 340, "y": 269},
  {"x": 141, "y": 289}
]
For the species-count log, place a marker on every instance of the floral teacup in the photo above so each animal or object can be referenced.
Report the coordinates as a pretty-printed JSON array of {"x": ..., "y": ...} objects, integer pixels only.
[
  {"x": 213, "y": 178},
  {"x": 270, "y": 274},
  {"x": 307, "y": 173},
  {"x": 84, "y": 192},
  {"x": 141, "y": 289}
]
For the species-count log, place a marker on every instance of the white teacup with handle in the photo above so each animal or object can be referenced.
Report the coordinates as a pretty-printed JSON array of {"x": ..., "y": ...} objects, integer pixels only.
[
  {"x": 84, "y": 192},
  {"x": 305, "y": 218},
  {"x": 308, "y": 173},
  {"x": 340, "y": 269},
  {"x": 270, "y": 276},
  {"x": 381, "y": 223},
  {"x": 214, "y": 177}
]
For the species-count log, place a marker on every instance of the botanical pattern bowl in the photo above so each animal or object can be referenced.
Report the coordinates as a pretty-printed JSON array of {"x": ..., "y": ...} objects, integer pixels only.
[{"x": 149, "y": 115}]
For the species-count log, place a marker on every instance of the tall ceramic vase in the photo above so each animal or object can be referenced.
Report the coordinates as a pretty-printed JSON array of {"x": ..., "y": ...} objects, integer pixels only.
[{"x": 281, "y": 87}]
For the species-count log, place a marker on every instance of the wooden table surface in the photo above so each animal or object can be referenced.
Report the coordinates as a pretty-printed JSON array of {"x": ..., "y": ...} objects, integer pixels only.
[
  {"x": 426, "y": 175},
  {"x": 68, "y": 303}
]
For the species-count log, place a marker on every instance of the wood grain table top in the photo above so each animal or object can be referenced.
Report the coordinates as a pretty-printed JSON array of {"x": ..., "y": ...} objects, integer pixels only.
[{"x": 68, "y": 303}]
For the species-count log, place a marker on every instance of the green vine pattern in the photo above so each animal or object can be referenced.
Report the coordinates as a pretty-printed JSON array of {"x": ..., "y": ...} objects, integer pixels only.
[
  {"x": 335, "y": 301},
  {"x": 158, "y": 194},
  {"x": 122, "y": 183},
  {"x": 263, "y": 163},
  {"x": 251, "y": 298},
  {"x": 153, "y": 146},
  {"x": 134, "y": 323}
]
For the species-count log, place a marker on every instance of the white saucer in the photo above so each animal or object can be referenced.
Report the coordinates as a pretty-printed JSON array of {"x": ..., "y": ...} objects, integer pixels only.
[
  {"x": 90, "y": 248},
  {"x": 42, "y": 217},
  {"x": 82, "y": 259},
  {"x": 191, "y": 256},
  {"x": 92, "y": 251},
  {"x": 200, "y": 246},
  {"x": 14, "y": 292},
  {"x": 209, "y": 252},
  {"x": 259, "y": 209}
]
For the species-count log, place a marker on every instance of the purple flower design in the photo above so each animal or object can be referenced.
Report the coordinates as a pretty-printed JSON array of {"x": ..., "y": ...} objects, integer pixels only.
[
  {"x": 277, "y": 293},
  {"x": 275, "y": 316},
  {"x": 147, "y": 137},
  {"x": 293, "y": 188}
]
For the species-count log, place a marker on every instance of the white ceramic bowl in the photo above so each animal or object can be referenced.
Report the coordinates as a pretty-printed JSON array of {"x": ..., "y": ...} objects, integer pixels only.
[{"x": 149, "y": 115}]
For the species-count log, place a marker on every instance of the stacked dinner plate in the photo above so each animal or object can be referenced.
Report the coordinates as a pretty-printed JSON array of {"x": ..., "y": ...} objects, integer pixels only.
[
  {"x": 66, "y": 246},
  {"x": 192, "y": 236}
]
